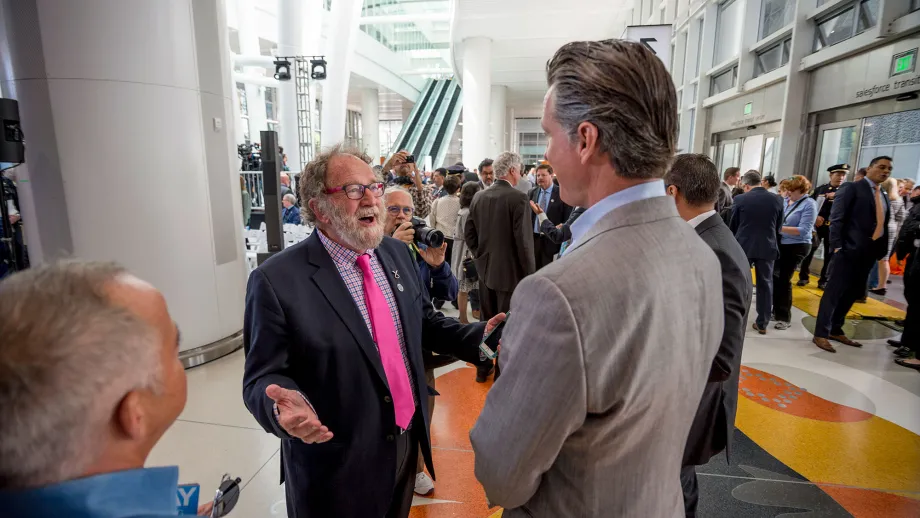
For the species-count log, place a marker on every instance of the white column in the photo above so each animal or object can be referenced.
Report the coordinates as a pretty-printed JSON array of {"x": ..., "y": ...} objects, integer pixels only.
[
  {"x": 370, "y": 122},
  {"x": 498, "y": 115},
  {"x": 290, "y": 43},
  {"x": 793, "y": 121},
  {"x": 477, "y": 85},
  {"x": 343, "y": 28},
  {"x": 249, "y": 46},
  {"x": 131, "y": 154}
]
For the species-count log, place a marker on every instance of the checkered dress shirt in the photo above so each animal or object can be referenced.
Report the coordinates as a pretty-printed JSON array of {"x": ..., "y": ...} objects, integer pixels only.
[{"x": 346, "y": 262}]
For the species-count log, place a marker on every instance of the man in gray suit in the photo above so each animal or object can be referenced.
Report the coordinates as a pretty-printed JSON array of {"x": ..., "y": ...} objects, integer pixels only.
[
  {"x": 693, "y": 182},
  {"x": 607, "y": 350}
]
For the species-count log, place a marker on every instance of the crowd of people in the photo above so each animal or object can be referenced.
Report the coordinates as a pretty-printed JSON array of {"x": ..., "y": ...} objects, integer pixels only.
[
  {"x": 596, "y": 273},
  {"x": 864, "y": 226}
]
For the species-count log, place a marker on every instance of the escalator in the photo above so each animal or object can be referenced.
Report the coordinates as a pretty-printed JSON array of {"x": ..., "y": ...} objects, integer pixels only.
[{"x": 432, "y": 122}]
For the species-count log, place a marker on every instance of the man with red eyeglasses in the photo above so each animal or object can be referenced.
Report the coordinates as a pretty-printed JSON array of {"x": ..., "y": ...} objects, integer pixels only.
[{"x": 333, "y": 334}]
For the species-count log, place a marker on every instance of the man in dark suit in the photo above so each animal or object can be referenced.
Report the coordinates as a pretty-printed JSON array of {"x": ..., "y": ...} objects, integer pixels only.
[
  {"x": 838, "y": 174},
  {"x": 498, "y": 233},
  {"x": 693, "y": 182},
  {"x": 544, "y": 198},
  {"x": 757, "y": 217},
  {"x": 486, "y": 173},
  {"x": 859, "y": 238},
  {"x": 333, "y": 335}
]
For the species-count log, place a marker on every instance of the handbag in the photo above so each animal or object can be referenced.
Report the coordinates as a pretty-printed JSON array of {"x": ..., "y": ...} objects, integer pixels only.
[{"x": 469, "y": 269}]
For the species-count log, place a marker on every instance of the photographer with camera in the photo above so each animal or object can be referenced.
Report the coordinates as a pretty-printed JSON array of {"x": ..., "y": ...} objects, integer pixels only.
[
  {"x": 408, "y": 177},
  {"x": 429, "y": 249}
]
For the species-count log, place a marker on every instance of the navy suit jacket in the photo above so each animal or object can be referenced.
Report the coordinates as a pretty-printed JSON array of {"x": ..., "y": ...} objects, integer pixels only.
[
  {"x": 853, "y": 220},
  {"x": 304, "y": 332},
  {"x": 757, "y": 218},
  {"x": 714, "y": 423}
]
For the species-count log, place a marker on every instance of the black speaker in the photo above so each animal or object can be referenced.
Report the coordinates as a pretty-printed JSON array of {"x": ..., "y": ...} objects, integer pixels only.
[
  {"x": 271, "y": 179},
  {"x": 12, "y": 150}
]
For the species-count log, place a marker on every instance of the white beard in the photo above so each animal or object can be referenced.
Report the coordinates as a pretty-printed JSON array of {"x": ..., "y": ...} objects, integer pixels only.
[{"x": 353, "y": 234}]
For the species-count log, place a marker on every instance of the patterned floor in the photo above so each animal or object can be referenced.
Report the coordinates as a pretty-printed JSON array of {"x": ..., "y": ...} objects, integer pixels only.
[{"x": 819, "y": 435}]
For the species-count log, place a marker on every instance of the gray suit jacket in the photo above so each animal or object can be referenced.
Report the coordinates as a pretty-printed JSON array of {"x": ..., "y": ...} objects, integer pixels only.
[
  {"x": 714, "y": 423},
  {"x": 604, "y": 360}
]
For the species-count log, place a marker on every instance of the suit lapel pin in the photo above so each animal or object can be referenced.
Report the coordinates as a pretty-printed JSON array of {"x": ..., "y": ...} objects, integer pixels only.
[
  {"x": 395, "y": 274},
  {"x": 399, "y": 287}
]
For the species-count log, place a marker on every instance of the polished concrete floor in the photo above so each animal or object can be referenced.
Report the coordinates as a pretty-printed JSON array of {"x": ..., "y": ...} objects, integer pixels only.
[{"x": 821, "y": 434}]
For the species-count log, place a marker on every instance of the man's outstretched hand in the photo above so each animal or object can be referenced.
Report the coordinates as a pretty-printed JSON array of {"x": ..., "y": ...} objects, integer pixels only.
[{"x": 296, "y": 417}]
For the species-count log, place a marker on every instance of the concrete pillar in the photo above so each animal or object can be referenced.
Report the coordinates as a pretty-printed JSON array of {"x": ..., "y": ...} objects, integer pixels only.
[
  {"x": 477, "y": 89},
  {"x": 343, "y": 29},
  {"x": 370, "y": 122},
  {"x": 498, "y": 114},
  {"x": 131, "y": 156},
  {"x": 793, "y": 121},
  {"x": 249, "y": 46}
]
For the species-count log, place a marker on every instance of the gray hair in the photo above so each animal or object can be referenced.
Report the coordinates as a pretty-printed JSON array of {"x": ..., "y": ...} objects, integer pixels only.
[
  {"x": 506, "y": 162},
  {"x": 313, "y": 180},
  {"x": 67, "y": 358},
  {"x": 290, "y": 198},
  {"x": 751, "y": 178},
  {"x": 624, "y": 90},
  {"x": 391, "y": 190}
]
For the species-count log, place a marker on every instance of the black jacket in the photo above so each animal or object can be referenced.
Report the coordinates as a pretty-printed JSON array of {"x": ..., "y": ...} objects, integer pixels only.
[
  {"x": 714, "y": 424},
  {"x": 564, "y": 233},
  {"x": 557, "y": 210},
  {"x": 757, "y": 217},
  {"x": 303, "y": 331},
  {"x": 499, "y": 233},
  {"x": 853, "y": 220}
]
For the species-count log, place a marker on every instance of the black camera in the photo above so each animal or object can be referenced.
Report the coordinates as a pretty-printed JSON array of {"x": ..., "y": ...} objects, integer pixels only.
[
  {"x": 250, "y": 157},
  {"x": 410, "y": 159},
  {"x": 425, "y": 235}
]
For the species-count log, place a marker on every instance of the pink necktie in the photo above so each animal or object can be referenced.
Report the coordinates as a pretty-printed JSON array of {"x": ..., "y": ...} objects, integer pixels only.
[{"x": 394, "y": 366}]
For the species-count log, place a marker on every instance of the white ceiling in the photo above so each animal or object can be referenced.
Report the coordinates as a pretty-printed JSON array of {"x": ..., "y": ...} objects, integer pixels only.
[{"x": 526, "y": 33}]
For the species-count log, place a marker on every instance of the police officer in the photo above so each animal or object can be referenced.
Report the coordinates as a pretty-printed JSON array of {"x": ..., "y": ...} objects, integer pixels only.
[{"x": 838, "y": 175}]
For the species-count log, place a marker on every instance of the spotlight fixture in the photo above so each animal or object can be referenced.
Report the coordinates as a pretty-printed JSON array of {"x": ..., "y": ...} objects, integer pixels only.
[
  {"x": 282, "y": 70},
  {"x": 318, "y": 68}
]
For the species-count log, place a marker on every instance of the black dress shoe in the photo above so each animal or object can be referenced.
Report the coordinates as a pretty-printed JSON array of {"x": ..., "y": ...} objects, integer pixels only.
[
  {"x": 903, "y": 352},
  {"x": 900, "y": 323},
  {"x": 483, "y": 372},
  {"x": 894, "y": 343},
  {"x": 822, "y": 285},
  {"x": 902, "y": 363},
  {"x": 862, "y": 301},
  {"x": 803, "y": 282},
  {"x": 438, "y": 304},
  {"x": 879, "y": 291}
]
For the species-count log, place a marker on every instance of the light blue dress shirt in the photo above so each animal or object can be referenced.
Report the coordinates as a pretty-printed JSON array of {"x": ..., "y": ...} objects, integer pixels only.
[
  {"x": 802, "y": 217},
  {"x": 545, "y": 194},
  {"x": 643, "y": 191},
  {"x": 136, "y": 493}
]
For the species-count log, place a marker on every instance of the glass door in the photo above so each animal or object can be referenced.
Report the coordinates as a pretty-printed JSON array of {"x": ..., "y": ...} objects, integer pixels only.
[
  {"x": 770, "y": 155},
  {"x": 729, "y": 154},
  {"x": 751, "y": 153},
  {"x": 837, "y": 144}
]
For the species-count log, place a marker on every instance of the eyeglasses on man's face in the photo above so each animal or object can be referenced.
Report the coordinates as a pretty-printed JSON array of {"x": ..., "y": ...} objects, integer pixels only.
[
  {"x": 394, "y": 211},
  {"x": 356, "y": 191}
]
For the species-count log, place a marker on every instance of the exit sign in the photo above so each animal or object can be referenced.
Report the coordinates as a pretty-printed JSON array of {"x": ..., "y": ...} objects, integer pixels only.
[
  {"x": 904, "y": 63},
  {"x": 748, "y": 108}
]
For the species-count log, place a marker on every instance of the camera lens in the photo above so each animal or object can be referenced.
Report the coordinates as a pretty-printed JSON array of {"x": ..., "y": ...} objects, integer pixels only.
[{"x": 425, "y": 235}]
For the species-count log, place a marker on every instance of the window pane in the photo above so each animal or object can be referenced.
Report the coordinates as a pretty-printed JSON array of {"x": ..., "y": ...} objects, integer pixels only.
[
  {"x": 699, "y": 47},
  {"x": 775, "y": 15},
  {"x": 692, "y": 113},
  {"x": 787, "y": 50},
  {"x": 723, "y": 81},
  {"x": 770, "y": 59},
  {"x": 914, "y": 5},
  {"x": 728, "y": 31},
  {"x": 835, "y": 30},
  {"x": 868, "y": 15}
]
